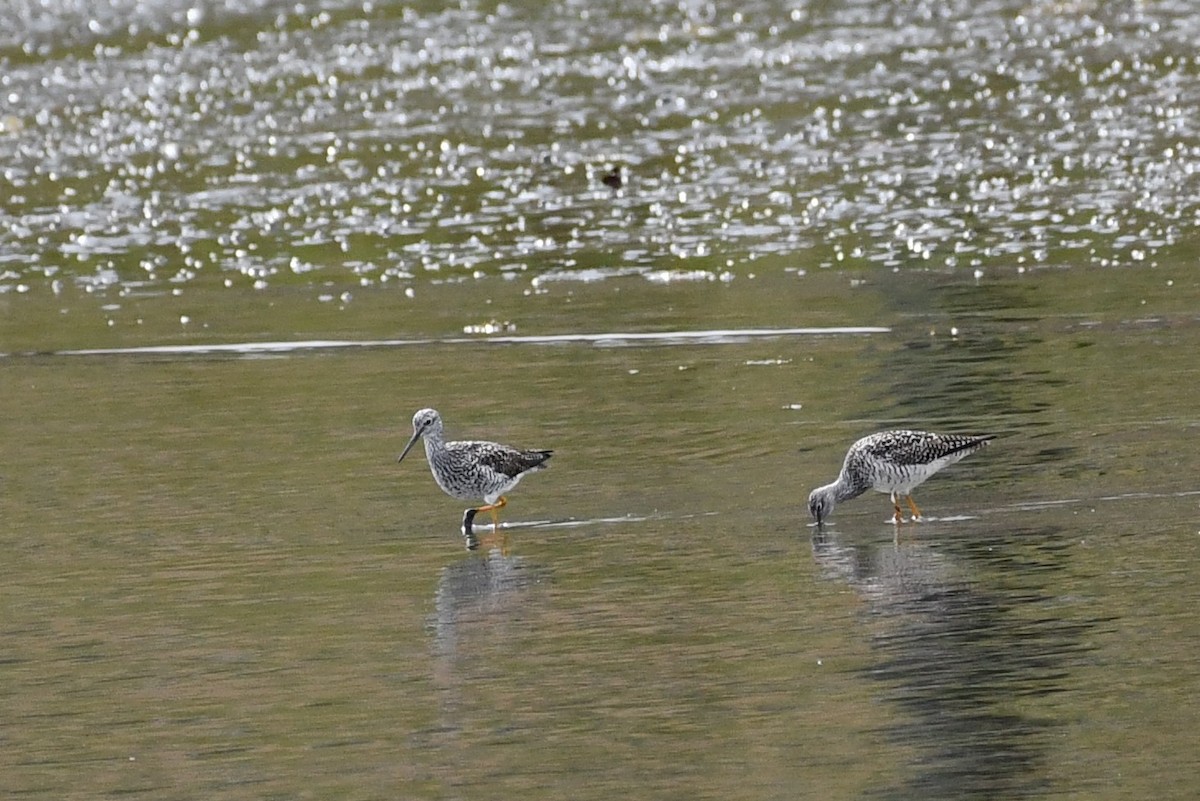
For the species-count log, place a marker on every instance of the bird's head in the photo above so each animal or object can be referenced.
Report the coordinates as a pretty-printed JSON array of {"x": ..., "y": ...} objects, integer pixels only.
[
  {"x": 820, "y": 504},
  {"x": 424, "y": 422}
]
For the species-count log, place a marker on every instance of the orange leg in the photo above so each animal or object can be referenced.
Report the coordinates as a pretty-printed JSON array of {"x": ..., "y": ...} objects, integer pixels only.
[
  {"x": 496, "y": 537},
  {"x": 897, "y": 518},
  {"x": 494, "y": 509},
  {"x": 912, "y": 505}
]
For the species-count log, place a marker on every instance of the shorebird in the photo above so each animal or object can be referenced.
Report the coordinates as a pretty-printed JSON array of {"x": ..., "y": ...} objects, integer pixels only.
[
  {"x": 473, "y": 469},
  {"x": 896, "y": 462}
]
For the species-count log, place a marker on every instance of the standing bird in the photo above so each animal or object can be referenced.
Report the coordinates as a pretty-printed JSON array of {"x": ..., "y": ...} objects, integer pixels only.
[
  {"x": 895, "y": 462},
  {"x": 470, "y": 470}
]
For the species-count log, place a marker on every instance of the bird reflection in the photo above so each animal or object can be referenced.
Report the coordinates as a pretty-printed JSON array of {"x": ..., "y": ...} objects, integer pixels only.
[
  {"x": 476, "y": 592},
  {"x": 478, "y": 606},
  {"x": 952, "y": 656}
]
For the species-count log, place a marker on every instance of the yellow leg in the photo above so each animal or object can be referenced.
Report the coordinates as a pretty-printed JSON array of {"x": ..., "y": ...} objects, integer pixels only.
[
  {"x": 912, "y": 505},
  {"x": 897, "y": 517},
  {"x": 494, "y": 509}
]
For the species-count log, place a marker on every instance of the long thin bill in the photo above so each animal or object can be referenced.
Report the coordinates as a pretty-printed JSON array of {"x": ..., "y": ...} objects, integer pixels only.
[{"x": 408, "y": 447}]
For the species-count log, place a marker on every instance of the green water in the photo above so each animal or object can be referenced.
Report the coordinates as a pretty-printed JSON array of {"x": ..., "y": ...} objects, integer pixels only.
[{"x": 217, "y": 582}]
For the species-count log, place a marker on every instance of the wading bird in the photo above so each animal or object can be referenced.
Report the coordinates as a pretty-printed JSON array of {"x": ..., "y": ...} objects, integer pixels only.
[
  {"x": 472, "y": 469},
  {"x": 896, "y": 462}
]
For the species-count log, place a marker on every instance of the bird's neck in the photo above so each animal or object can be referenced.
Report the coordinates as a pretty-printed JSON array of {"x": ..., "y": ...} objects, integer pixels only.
[
  {"x": 844, "y": 488},
  {"x": 434, "y": 444}
]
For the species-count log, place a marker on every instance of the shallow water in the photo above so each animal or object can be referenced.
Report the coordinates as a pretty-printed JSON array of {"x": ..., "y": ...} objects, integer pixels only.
[
  {"x": 244, "y": 242},
  {"x": 219, "y": 579}
]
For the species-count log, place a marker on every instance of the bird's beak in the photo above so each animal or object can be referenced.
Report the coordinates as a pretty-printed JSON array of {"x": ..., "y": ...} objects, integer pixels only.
[{"x": 416, "y": 436}]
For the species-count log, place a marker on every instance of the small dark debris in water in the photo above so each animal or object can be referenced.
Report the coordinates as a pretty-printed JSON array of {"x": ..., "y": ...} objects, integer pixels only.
[{"x": 613, "y": 178}]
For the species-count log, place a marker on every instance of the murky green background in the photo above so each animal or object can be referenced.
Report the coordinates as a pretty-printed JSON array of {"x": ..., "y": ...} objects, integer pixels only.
[{"x": 243, "y": 242}]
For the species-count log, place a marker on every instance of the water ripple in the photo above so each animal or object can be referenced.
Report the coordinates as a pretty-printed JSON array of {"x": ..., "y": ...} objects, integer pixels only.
[
  {"x": 612, "y": 339},
  {"x": 367, "y": 144}
]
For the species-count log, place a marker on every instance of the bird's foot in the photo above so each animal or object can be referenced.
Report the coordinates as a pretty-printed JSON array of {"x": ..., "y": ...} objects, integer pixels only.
[{"x": 468, "y": 530}]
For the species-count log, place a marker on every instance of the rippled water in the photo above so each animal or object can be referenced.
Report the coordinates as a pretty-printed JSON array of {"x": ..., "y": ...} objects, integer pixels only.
[
  {"x": 153, "y": 147},
  {"x": 697, "y": 249},
  {"x": 219, "y": 580}
]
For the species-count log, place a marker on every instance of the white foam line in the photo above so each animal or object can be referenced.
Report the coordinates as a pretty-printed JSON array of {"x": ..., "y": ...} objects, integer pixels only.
[
  {"x": 594, "y": 521},
  {"x": 1030, "y": 506},
  {"x": 719, "y": 333},
  {"x": 245, "y": 348},
  {"x": 1132, "y": 495},
  {"x": 1036, "y": 506},
  {"x": 573, "y": 523}
]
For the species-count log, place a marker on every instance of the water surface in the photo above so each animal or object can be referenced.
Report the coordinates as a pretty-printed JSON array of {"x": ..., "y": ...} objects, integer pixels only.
[{"x": 244, "y": 242}]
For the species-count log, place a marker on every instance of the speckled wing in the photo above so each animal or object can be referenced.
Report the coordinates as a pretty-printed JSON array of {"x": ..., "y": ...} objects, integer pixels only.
[
  {"x": 905, "y": 448},
  {"x": 510, "y": 461}
]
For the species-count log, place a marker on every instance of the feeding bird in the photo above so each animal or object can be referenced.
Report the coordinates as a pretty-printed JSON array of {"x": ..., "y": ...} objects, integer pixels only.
[
  {"x": 472, "y": 469},
  {"x": 896, "y": 462}
]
